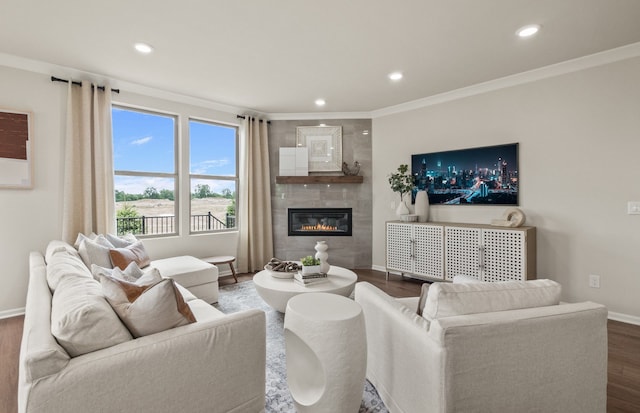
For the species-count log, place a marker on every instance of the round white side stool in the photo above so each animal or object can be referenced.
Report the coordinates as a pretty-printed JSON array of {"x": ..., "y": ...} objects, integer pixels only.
[{"x": 326, "y": 350}]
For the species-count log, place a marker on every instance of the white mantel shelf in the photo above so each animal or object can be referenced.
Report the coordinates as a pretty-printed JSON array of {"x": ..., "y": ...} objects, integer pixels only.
[{"x": 320, "y": 179}]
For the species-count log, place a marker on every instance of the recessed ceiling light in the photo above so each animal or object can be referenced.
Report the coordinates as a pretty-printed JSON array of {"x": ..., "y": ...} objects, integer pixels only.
[
  {"x": 528, "y": 30},
  {"x": 143, "y": 48},
  {"x": 365, "y": 132},
  {"x": 395, "y": 76},
  {"x": 323, "y": 124},
  {"x": 320, "y": 102}
]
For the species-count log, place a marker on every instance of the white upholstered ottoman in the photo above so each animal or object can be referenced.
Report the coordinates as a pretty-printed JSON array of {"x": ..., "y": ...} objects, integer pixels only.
[{"x": 197, "y": 276}]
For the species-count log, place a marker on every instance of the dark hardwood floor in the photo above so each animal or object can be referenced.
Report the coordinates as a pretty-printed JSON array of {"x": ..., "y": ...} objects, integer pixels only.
[{"x": 623, "y": 392}]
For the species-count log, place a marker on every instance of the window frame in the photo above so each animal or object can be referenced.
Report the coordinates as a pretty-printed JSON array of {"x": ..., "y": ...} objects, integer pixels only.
[
  {"x": 234, "y": 178},
  {"x": 176, "y": 166}
]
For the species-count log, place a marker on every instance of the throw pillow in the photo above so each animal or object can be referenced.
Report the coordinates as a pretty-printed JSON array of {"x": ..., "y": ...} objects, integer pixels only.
[
  {"x": 460, "y": 279},
  {"x": 81, "y": 237},
  {"x": 424, "y": 291},
  {"x": 81, "y": 318},
  {"x": 121, "y": 242},
  {"x": 448, "y": 299},
  {"x": 96, "y": 251},
  {"x": 132, "y": 273},
  {"x": 122, "y": 257},
  {"x": 147, "y": 309}
]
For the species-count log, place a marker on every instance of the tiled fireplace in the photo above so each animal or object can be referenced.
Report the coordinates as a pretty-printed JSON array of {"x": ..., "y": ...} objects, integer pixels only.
[{"x": 320, "y": 221}]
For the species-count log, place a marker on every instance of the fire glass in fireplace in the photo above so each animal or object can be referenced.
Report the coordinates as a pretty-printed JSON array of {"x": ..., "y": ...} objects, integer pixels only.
[{"x": 320, "y": 221}]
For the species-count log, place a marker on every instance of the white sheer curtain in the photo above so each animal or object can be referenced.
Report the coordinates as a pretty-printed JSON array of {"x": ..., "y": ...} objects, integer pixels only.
[
  {"x": 254, "y": 204},
  {"x": 88, "y": 195}
]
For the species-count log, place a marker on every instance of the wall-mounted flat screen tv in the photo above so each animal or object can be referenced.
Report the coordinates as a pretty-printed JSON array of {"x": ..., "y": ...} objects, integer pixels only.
[{"x": 476, "y": 176}]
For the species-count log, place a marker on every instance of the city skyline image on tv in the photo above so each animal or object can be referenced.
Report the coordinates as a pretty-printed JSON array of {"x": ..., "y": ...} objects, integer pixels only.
[{"x": 476, "y": 176}]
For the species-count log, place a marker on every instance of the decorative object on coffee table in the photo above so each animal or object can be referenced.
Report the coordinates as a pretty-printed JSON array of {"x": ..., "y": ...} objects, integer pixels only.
[
  {"x": 310, "y": 265},
  {"x": 326, "y": 353},
  {"x": 322, "y": 255},
  {"x": 282, "y": 269}
]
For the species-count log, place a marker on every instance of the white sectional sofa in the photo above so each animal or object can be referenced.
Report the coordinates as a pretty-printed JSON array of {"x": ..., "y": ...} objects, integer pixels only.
[
  {"x": 486, "y": 347},
  {"x": 215, "y": 364}
]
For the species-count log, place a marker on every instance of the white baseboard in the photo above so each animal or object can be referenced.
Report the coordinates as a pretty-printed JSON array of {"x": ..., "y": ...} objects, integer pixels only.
[
  {"x": 11, "y": 313},
  {"x": 379, "y": 268},
  {"x": 625, "y": 318}
]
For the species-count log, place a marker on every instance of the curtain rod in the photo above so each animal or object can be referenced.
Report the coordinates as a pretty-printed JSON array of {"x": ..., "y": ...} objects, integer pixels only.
[
  {"x": 244, "y": 117},
  {"x": 57, "y": 79}
]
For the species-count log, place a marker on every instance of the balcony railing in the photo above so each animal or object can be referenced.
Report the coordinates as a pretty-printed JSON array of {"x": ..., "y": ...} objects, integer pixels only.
[{"x": 166, "y": 224}]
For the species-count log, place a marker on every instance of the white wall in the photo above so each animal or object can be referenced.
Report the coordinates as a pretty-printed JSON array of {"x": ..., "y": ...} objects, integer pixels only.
[
  {"x": 29, "y": 219},
  {"x": 579, "y": 138}
]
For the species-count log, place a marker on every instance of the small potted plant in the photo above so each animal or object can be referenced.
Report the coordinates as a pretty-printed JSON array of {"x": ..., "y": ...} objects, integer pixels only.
[
  {"x": 310, "y": 265},
  {"x": 402, "y": 182}
]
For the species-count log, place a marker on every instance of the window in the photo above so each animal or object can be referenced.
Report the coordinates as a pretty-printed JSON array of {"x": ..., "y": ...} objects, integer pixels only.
[
  {"x": 145, "y": 181},
  {"x": 213, "y": 174}
]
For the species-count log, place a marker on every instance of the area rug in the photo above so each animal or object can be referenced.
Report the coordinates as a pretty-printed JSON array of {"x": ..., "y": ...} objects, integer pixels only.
[{"x": 242, "y": 296}]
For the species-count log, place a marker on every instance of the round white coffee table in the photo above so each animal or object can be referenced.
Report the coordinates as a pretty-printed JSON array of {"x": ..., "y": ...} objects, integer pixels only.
[
  {"x": 326, "y": 350},
  {"x": 277, "y": 291}
]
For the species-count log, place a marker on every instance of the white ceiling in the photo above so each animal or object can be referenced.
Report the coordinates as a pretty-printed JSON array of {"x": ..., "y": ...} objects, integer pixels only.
[{"x": 279, "y": 56}]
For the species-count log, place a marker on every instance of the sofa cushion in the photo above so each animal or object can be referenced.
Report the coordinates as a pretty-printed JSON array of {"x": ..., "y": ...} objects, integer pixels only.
[
  {"x": 63, "y": 264},
  {"x": 122, "y": 257},
  {"x": 147, "y": 309},
  {"x": 81, "y": 318},
  {"x": 57, "y": 246},
  {"x": 96, "y": 251},
  {"x": 447, "y": 299}
]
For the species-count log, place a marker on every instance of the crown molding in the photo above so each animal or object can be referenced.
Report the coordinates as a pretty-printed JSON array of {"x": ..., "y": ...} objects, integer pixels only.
[
  {"x": 574, "y": 65},
  {"x": 594, "y": 60},
  {"x": 319, "y": 115},
  {"x": 50, "y": 69}
]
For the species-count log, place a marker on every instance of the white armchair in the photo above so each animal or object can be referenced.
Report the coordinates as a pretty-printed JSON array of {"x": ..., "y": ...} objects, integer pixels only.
[{"x": 549, "y": 358}]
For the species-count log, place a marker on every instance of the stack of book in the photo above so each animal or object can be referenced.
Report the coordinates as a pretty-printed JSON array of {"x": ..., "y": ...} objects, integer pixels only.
[{"x": 308, "y": 279}]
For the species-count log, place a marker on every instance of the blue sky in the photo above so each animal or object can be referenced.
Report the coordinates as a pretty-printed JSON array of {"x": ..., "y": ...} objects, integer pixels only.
[{"x": 144, "y": 142}]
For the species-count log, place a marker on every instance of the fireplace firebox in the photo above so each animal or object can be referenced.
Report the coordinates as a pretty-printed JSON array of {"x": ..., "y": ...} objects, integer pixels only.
[{"x": 320, "y": 221}]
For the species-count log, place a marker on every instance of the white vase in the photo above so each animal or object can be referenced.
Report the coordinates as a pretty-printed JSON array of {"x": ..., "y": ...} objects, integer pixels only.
[
  {"x": 422, "y": 206},
  {"x": 402, "y": 208},
  {"x": 321, "y": 254}
]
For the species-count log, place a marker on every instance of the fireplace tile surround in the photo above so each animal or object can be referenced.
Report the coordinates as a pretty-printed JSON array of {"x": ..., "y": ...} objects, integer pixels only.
[{"x": 346, "y": 251}]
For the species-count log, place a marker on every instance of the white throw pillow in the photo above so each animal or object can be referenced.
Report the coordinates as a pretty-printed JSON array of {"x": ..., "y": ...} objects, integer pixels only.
[
  {"x": 81, "y": 318},
  {"x": 448, "y": 299},
  {"x": 424, "y": 291},
  {"x": 96, "y": 252},
  {"x": 147, "y": 309},
  {"x": 121, "y": 242},
  {"x": 460, "y": 279},
  {"x": 132, "y": 273},
  {"x": 81, "y": 237}
]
